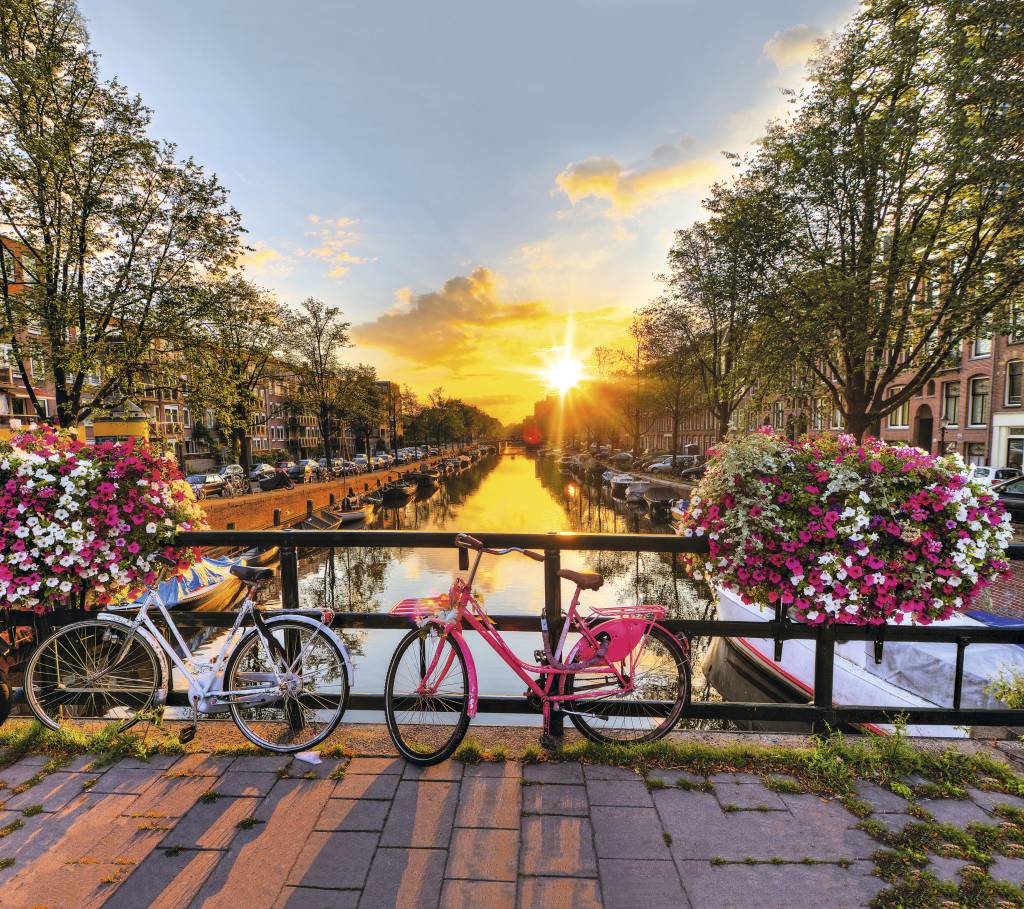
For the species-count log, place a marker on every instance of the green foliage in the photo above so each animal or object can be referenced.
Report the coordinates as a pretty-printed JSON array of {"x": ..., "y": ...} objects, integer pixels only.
[
  {"x": 469, "y": 752},
  {"x": 1008, "y": 687}
]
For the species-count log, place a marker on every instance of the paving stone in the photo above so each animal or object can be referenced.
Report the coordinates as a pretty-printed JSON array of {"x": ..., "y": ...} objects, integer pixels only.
[
  {"x": 717, "y": 778},
  {"x": 210, "y": 825},
  {"x": 561, "y": 772},
  {"x": 632, "y": 884},
  {"x": 748, "y": 796},
  {"x": 154, "y": 761},
  {"x": 628, "y": 833},
  {"x": 313, "y": 898},
  {"x": 404, "y": 879},
  {"x": 19, "y": 772},
  {"x": 170, "y": 796},
  {"x": 83, "y": 762},
  {"x": 375, "y": 765},
  {"x": 53, "y": 792},
  {"x": 262, "y": 763},
  {"x": 38, "y": 759},
  {"x": 606, "y": 792},
  {"x": 322, "y": 771},
  {"x": 365, "y": 786},
  {"x": 960, "y": 812},
  {"x": 557, "y": 846},
  {"x": 125, "y": 840},
  {"x": 548, "y": 892},
  {"x": 257, "y": 863},
  {"x": 894, "y": 823},
  {"x": 446, "y": 771},
  {"x": 606, "y": 772},
  {"x": 490, "y": 802},
  {"x": 459, "y": 894},
  {"x": 701, "y": 830},
  {"x": 915, "y": 779},
  {"x": 672, "y": 777},
  {"x": 200, "y": 764},
  {"x": 492, "y": 768},
  {"x": 422, "y": 814},
  {"x": 334, "y": 860},
  {"x": 555, "y": 798},
  {"x": 483, "y": 855},
  {"x": 353, "y": 814},
  {"x": 947, "y": 869},
  {"x": 164, "y": 881},
  {"x": 879, "y": 798},
  {"x": 126, "y": 780},
  {"x": 1004, "y": 868},
  {"x": 988, "y": 799},
  {"x": 779, "y": 886},
  {"x": 244, "y": 782}
]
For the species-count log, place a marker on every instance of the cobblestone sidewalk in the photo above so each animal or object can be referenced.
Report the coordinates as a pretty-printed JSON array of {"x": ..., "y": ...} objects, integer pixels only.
[{"x": 252, "y": 832}]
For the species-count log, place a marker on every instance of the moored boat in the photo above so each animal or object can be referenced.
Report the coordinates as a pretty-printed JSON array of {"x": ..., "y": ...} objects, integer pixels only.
[
  {"x": 398, "y": 489},
  {"x": 619, "y": 483}
]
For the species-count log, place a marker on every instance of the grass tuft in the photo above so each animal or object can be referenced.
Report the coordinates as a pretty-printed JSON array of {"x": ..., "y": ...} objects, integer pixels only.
[{"x": 469, "y": 752}]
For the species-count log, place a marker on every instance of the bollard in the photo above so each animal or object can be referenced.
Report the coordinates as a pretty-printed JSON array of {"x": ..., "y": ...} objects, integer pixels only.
[
  {"x": 231, "y": 525},
  {"x": 309, "y": 508},
  {"x": 332, "y": 500},
  {"x": 277, "y": 517}
]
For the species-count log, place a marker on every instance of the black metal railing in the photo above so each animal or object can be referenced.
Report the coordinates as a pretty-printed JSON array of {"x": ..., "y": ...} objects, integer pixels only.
[{"x": 820, "y": 714}]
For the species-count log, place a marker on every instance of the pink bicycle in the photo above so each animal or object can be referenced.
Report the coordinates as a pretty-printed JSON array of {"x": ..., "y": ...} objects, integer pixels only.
[{"x": 626, "y": 677}]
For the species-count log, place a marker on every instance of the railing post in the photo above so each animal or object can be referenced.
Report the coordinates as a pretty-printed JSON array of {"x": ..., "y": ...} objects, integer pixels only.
[
  {"x": 289, "y": 575},
  {"x": 553, "y": 614},
  {"x": 309, "y": 508},
  {"x": 824, "y": 668}
]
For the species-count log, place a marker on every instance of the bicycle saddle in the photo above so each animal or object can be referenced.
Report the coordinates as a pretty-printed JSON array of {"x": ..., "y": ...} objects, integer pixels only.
[
  {"x": 251, "y": 574},
  {"x": 585, "y": 580}
]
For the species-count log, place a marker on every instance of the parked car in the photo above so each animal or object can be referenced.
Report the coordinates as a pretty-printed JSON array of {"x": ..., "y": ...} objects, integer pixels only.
[
  {"x": 205, "y": 485},
  {"x": 277, "y": 479},
  {"x": 284, "y": 465},
  {"x": 302, "y": 471},
  {"x": 235, "y": 476},
  {"x": 349, "y": 468},
  {"x": 993, "y": 475},
  {"x": 692, "y": 473},
  {"x": 362, "y": 462},
  {"x": 260, "y": 471},
  {"x": 1011, "y": 494}
]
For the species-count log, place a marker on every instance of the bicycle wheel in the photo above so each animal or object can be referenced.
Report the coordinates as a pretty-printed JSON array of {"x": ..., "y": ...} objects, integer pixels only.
[
  {"x": 72, "y": 677},
  {"x": 661, "y": 675},
  {"x": 426, "y": 728},
  {"x": 305, "y": 709}
]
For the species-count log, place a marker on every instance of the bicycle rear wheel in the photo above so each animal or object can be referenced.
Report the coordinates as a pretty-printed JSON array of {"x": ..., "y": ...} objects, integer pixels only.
[
  {"x": 660, "y": 693},
  {"x": 427, "y": 727},
  {"x": 74, "y": 677},
  {"x": 309, "y": 707}
]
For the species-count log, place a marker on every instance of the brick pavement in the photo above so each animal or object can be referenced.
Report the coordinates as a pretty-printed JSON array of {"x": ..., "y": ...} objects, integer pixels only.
[{"x": 266, "y": 833}]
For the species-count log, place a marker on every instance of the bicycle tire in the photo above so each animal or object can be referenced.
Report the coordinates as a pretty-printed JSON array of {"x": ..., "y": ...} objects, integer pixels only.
[
  {"x": 58, "y": 653},
  {"x": 585, "y": 721},
  {"x": 243, "y": 648},
  {"x": 415, "y": 752}
]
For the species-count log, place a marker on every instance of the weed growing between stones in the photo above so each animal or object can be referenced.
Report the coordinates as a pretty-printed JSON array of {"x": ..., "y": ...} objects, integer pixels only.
[
  {"x": 469, "y": 752},
  {"x": 210, "y": 796}
]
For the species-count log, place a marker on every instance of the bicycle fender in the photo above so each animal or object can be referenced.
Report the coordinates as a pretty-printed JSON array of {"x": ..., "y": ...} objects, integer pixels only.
[
  {"x": 165, "y": 665},
  {"x": 313, "y": 623},
  {"x": 460, "y": 642}
]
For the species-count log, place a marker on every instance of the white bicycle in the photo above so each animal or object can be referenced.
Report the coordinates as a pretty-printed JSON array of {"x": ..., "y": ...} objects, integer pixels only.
[{"x": 285, "y": 679}]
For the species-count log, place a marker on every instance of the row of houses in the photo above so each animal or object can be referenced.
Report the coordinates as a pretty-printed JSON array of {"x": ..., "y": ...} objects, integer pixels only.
[
  {"x": 974, "y": 406},
  {"x": 279, "y": 430}
]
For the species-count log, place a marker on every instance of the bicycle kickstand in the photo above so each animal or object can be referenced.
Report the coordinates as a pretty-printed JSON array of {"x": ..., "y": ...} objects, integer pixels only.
[
  {"x": 187, "y": 733},
  {"x": 548, "y": 741}
]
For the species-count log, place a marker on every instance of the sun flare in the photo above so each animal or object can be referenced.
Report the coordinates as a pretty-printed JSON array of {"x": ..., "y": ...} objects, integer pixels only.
[{"x": 564, "y": 373}]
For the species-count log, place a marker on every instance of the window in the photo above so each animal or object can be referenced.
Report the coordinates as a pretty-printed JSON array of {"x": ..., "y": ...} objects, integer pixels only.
[
  {"x": 186, "y": 417},
  {"x": 931, "y": 388},
  {"x": 837, "y": 419},
  {"x": 951, "y": 403},
  {"x": 1014, "y": 383},
  {"x": 1017, "y": 323},
  {"x": 981, "y": 346},
  {"x": 975, "y": 453},
  {"x": 778, "y": 415},
  {"x": 1015, "y": 452},
  {"x": 980, "y": 391},
  {"x": 900, "y": 417}
]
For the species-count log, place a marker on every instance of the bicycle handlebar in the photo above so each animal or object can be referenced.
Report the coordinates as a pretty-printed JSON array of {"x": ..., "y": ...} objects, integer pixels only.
[{"x": 469, "y": 542}]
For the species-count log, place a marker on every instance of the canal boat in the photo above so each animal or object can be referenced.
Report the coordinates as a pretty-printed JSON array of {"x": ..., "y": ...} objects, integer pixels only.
[
  {"x": 608, "y": 476},
  {"x": 908, "y": 674},
  {"x": 398, "y": 490},
  {"x": 426, "y": 477},
  {"x": 619, "y": 483},
  {"x": 659, "y": 500},
  {"x": 361, "y": 513},
  {"x": 635, "y": 491}
]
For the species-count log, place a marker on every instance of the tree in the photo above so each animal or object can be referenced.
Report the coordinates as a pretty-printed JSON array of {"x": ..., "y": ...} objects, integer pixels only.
[
  {"x": 114, "y": 235},
  {"x": 312, "y": 342},
  {"x": 362, "y": 403},
  {"x": 627, "y": 392},
  {"x": 231, "y": 356},
  {"x": 898, "y": 186},
  {"x": 411, "y": 416}
]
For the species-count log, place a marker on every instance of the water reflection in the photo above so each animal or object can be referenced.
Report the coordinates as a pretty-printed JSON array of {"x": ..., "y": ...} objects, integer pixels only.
[{"x": 510, "y": 494}]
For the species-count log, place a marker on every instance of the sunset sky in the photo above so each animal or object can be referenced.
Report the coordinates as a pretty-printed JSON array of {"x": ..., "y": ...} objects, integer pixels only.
[{"x": 476, "y": 184}]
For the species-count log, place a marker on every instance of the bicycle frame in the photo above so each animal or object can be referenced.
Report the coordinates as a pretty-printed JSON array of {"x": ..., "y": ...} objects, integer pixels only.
[{"x": 467, "y": 609}]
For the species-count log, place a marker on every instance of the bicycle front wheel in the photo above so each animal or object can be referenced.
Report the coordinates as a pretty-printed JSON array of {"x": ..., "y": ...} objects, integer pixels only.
[
  {"x": 305, "y": 706},
  {"x": 660, "y": 691},
  {"x": 426, "y": 699},
  {"x": 92, "y": 672}
]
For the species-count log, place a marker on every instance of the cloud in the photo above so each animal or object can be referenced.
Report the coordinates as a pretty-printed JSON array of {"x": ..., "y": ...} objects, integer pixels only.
[
  {"x": 260, "y": 259},
  {"x": 670, "y": 170},
  {"x": 448, "y": 324},
  {"x": 792, "y": 47},
  {"x": 332, "y": 238}
]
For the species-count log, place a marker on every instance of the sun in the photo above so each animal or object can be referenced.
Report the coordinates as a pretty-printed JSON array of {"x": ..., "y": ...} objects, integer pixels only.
[{"x": 564, "y": 373}]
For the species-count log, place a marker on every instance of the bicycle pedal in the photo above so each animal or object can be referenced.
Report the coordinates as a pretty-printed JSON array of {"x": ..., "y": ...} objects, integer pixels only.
[{"x": 186, "y": 735}]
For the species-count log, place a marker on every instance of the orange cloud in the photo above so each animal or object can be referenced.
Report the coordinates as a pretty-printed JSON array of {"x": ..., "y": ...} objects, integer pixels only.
[
  {"x": 792, "y": 47},
  {"x": 260, "y": 259},
  {"x": 332, "y": 238}
]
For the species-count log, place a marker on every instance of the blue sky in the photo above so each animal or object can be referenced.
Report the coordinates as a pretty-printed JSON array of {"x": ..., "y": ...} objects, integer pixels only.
[{"x": 474, "y": 183}]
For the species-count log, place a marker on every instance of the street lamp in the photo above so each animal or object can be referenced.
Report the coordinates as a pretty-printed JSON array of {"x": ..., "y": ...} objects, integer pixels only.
[{"x": 942, "y": 436}]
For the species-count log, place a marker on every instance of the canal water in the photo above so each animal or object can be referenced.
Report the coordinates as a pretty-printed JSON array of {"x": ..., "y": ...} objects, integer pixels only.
[{"x": 513, "y": 492}]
